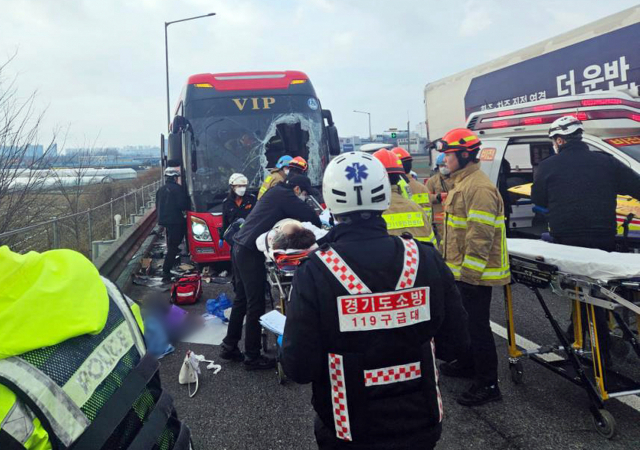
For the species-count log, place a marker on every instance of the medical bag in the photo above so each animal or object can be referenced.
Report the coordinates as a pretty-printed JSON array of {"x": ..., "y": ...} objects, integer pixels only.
[{"x": 187, "y": 290}]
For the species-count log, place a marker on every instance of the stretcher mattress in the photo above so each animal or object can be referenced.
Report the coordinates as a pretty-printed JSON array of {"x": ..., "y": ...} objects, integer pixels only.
[{"x": 586, "y": 262}]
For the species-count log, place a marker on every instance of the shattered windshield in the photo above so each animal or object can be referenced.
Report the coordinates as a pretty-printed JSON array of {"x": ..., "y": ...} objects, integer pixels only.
[{"x": 249, "y": 135}]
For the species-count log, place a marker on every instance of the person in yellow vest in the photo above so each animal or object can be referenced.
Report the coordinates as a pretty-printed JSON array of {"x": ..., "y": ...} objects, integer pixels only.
[
  {"x": 403, "y": 216},
  {"x": 74, "y": 369},
  {"x": 276, "y": 176},
  {"x": 438, "y": 187},
  {"x": 475, "y": 249},
  {"x": 419, "y": 193}
]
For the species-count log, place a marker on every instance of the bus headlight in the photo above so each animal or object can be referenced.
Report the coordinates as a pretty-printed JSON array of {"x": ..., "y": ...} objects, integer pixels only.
[{"x": 200, "y": 230}]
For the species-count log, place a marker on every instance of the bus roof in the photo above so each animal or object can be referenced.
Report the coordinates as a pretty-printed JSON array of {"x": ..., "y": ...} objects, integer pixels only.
[{"x": 239, "y": 81}]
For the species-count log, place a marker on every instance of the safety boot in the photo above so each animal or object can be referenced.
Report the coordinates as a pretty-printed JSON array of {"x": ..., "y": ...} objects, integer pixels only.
[{"x": 480, "y": 394}]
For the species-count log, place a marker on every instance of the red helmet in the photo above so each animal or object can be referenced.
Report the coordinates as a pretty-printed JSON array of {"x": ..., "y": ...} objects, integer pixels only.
[
  {"x": 390, "y": 161},
  {"x": 458, "y": 140},
  {"x": 402, "y": 154},
  {"x": 299, "y": 163}
]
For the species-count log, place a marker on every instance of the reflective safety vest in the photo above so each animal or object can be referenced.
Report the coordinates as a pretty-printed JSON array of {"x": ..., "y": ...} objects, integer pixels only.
[
  {"x": 475, "y": 244},
  {"x": 420, "y": 195},
  {"x": 90, "y": 392},
  {"x": 405, "y": 189},
  {"x": 406, "y": 216},
  {"x": 275, "y": 177},
  {"x": 356, "y": 386}
]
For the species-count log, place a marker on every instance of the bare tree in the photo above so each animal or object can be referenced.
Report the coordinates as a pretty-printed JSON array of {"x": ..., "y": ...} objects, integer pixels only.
[{"x": 24, "y": 165}]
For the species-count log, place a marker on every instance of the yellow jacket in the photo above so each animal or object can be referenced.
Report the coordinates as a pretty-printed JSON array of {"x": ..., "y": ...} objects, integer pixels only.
[
  {"x": 406, "y": 216},
  {"x": 436, "y": 185},
  {"x": 420, "y": 195},
  {"x": 275, "y": 177},
  {"x": 475, "y": 244},
  {"x": 45, "y": 299}
]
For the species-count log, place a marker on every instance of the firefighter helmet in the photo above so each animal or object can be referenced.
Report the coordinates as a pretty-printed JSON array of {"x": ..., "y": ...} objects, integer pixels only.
[
  {"x": 171, "y": 172},
  {"x": 402, "y": 154},
  {"x": 565, "y": 126},
  {"x": 237, "y": 179},
  {"x": 458, "y": 140},
  {"x": 299, "y": 163},
  {"x": 356, "y": 181},
  {"x": 390, "y": 161},
  {"x": 283, "y": 161}
]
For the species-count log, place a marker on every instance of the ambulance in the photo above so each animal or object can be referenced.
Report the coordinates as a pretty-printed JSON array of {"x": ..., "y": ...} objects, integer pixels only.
[{"x": 515, "y": 140}]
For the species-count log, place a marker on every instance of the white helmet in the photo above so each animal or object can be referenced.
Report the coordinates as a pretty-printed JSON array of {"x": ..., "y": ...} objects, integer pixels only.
[
  {"x": 237, "y": 179},
  {"x": 356, "y": 181},
  {"x": 171, "y": 172},
  {"x": 564, "y": 126}
]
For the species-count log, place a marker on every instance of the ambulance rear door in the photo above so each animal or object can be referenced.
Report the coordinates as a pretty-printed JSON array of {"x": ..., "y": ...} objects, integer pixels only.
[{"x": 491, "y": 156}]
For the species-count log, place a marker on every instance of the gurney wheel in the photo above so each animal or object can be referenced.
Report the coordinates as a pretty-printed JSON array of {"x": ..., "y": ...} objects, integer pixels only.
[
  {"x": 517, "y": 372},
  {"x": 606, "y": 424},
  {"x": 282, "y": 378}
]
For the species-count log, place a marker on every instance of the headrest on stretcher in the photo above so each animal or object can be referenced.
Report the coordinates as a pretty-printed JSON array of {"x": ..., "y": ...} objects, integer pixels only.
[
  {"x": 586, "y": 262},
  {"x": 289, "y": 259}
]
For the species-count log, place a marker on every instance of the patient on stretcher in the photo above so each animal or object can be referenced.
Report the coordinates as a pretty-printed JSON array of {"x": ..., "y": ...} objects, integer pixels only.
[{"x": 289, "y": 242}]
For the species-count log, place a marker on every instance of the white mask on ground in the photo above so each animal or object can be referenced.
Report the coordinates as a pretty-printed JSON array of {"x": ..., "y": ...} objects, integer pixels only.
[
  {"x": 240, "y": 191},
  {"x": 444, "y": 170}
]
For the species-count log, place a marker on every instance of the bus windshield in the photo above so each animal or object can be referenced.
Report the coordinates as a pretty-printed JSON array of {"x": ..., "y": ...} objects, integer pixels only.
[{"x": 248, "y": 135}]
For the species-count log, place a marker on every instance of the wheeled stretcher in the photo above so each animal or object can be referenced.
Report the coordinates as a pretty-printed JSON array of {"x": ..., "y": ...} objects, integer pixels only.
[{"x": 587, "y": 278}]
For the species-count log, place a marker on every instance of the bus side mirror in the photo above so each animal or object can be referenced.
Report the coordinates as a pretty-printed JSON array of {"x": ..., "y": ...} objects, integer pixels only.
[
  {"x": 334, "y": 140},
  {"x": 175, "y": 147}
]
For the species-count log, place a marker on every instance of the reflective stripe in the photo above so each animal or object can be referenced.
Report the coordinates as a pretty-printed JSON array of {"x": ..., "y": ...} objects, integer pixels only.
[
  {"x": 98, "y": 365},
  {"x": 397, "y": 221},
  {"x": 116, "y": 296},
  {"x": 18, "y": 423},
  {"x": 472, "y": 263},
  {"x": 410, "y": 265},
  {"x": 456, "y": 222},
  {"x": 435, "y": 374},
  {"x": 339, "y": 397},
  {"x": 393, "y": 374},
  {"x": 496, "y": 274},
  {"x": 421, "y": 198},
  {"x": 403, "y": 185},
  {"x": 343, "y": 272},
  {"x": 485, "y": 218},
  {"x": 64, "y": 416},
  {"x": 431, "y": 238},
  {"x": 455, "y": 269}
]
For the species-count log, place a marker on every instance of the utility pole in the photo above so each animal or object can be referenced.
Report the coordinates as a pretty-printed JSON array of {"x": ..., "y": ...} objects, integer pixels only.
[{"x": 369, "y": 114}]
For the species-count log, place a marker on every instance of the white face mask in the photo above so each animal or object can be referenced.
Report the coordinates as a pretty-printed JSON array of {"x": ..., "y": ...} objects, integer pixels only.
[
  {"x": 240, "y": 191},
  {"x": 444, "y": 170},
  {"x": 302, "y": 196},
  {"x": 286, "y": 171}
]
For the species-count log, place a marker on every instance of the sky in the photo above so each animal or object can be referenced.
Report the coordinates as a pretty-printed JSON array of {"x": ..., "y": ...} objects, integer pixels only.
[{"x": 98, "y": 67}]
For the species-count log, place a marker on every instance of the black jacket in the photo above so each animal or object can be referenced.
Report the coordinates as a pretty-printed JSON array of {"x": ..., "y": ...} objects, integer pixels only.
[
  {"x": 279, "y": 202},
  {"x": 171, "y": 201},
  {"x": 398, "y": 415},
  {"x": 231, "y": 211},
  {"x": 579, "y": 188}
]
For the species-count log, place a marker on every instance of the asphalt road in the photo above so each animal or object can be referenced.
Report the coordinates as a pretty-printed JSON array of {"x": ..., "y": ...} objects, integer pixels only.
[{"x": 236, "y": 409}]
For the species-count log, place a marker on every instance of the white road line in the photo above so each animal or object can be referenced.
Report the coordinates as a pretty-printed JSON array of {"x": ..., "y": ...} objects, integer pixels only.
[{"x": 632, "y": 401}]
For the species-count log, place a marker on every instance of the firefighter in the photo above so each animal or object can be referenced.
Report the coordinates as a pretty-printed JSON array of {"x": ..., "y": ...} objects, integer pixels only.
[
  {"x": 172, "y": 202},
  {"x": 298, "y": 166},
  {"x": 276, "y": 176},
  {"x": 579, "y": 188},
  {"x": 357, "y": 324},
  {"x": 76, "y": 373},
  {"x": 285, "y": 200},
  {"x": 474, "y": 247},
  {"x": 403, "y": 215},
  {"x": 238, "y": 203},
  {"x": 419, "y": 193},
  {"x": 438, "y": 185}
]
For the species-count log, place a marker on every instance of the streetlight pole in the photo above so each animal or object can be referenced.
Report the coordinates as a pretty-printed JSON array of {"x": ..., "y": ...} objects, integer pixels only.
[
  {"x": 166, "y": 57},
  {"x": 369, "y": 114}
]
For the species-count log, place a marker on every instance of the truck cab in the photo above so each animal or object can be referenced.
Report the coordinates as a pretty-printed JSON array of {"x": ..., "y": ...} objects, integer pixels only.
[{"x": 515, "y": 141}]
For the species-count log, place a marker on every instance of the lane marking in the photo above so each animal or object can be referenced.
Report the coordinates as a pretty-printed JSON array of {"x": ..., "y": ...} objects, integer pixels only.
[{"x": 633, "y": 401}]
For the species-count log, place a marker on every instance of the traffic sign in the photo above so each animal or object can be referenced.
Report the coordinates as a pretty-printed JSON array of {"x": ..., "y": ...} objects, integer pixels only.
[{"x": 394, "y": 135}]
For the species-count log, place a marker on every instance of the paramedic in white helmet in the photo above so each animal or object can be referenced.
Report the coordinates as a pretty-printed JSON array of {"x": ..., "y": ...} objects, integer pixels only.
[
  {"x": 238, "y": 203},
  {"x": 171, "y": 203},
  {"x": 367, "y": 317},
  {"x": 579, "y": 188}
]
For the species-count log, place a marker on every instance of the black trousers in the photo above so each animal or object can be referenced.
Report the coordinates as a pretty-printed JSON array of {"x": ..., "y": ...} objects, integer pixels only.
[
  {"x": 250, "y": 277},
  {"x": 608, "y": 244},
  {"x": 175, "y": 235},
  {"x": 482, "y": 354}
]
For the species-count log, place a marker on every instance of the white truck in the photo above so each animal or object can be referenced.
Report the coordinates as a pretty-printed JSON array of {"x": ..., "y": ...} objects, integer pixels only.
[{"x": 603, "y": 55}]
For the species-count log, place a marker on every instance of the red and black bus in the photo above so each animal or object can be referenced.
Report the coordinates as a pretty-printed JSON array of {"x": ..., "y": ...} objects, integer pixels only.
[{"x": 242, "y": 122}]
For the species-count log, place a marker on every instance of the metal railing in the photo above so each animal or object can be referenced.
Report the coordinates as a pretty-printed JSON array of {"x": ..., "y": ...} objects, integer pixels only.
[{"x": 82, "y": 230}]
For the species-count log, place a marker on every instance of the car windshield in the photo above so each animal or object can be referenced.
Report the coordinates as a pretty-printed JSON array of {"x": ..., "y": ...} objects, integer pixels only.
[
  {"x": 631, "y": 150},
  {"x": 249, "y": 136}
]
